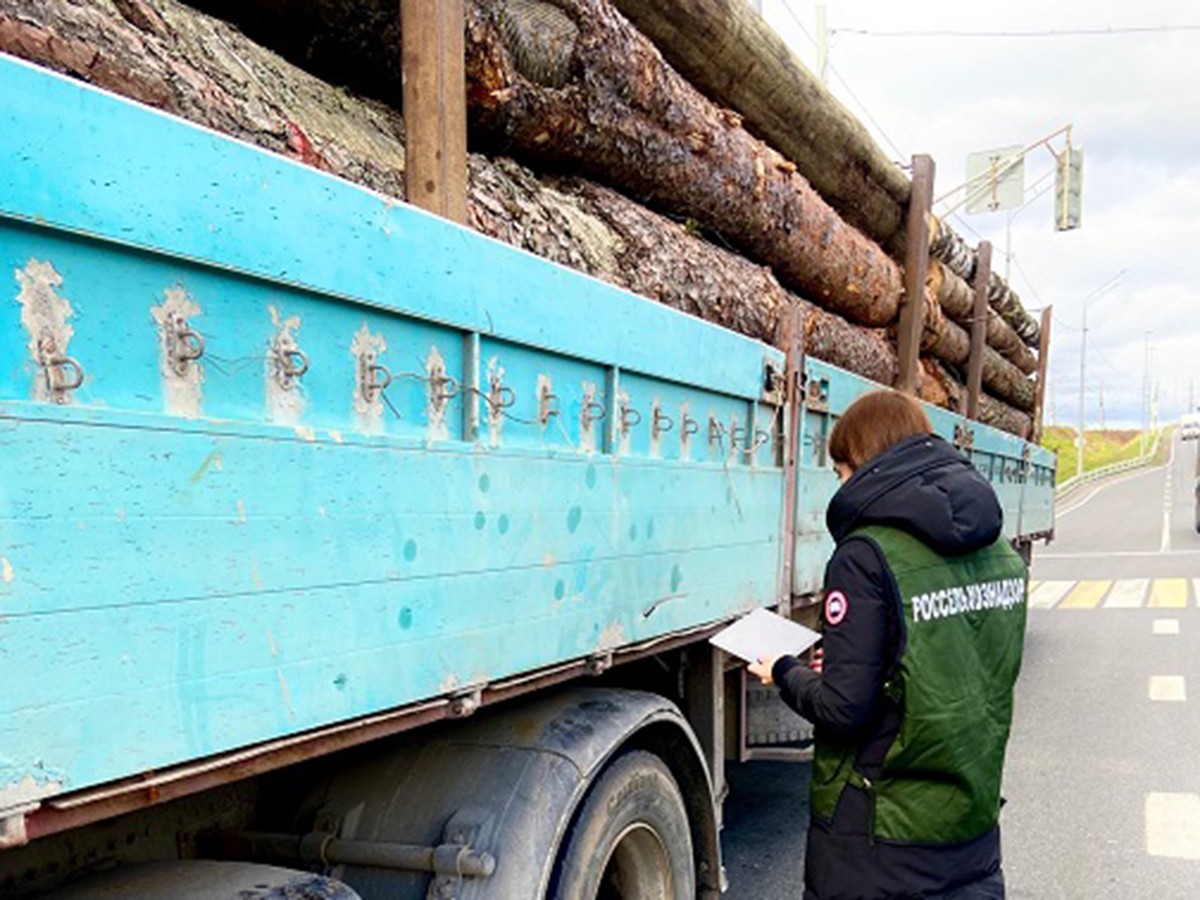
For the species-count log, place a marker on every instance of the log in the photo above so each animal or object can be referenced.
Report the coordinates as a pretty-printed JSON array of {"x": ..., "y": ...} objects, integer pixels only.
[
  {"x": 166, "y": 54},
  {"x": 959, "y": 257},
  {"x": 991, "y": 411},
  {"x": 957, "y": 299},
  {"x": 727, "y": 50},
  {"x": 570, "y": 85}
]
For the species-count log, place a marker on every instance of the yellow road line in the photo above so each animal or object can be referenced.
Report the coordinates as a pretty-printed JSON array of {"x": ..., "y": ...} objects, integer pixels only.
[
  {"x": 1168, "y": 593},
  {"x": 1086, "y": 595}
]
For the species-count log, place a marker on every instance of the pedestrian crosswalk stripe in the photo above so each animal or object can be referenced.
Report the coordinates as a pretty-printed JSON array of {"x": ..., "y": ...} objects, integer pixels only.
[
  {"x": 1173, "y": 825},
  {"x": 1048, "y": 594},
  {"x": 1086, "y": 595},
  {"x": 1168, "y": 593},
  {"x": 1127, "y": 593},
  {"x": 1122, "y": 593},
  {"x": 1168, "y": 688}
]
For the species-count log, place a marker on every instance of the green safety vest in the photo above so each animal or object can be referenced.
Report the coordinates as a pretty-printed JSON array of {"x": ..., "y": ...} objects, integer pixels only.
[{"x": 964, "y": 619}]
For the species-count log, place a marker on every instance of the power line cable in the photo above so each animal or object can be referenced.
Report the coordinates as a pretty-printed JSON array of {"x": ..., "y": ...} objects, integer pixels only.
[
  {"x": 838, "y": 75},
  {"x": 1048, "y": 33}
]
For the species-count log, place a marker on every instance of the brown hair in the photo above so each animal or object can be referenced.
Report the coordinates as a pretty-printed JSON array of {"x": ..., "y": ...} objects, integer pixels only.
[{"x": 873, "y": 423}]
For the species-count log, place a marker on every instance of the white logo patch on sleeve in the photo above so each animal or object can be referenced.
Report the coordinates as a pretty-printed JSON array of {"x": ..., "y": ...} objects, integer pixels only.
[{"x": 836, "y": 607}]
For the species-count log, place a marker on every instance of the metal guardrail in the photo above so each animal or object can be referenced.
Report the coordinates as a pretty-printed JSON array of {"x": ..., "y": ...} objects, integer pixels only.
[{"x": 1104, "y": 471}]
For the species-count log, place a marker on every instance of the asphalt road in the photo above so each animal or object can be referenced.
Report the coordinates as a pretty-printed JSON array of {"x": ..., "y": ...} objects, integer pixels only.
[{"x": 1103, "y": 773}]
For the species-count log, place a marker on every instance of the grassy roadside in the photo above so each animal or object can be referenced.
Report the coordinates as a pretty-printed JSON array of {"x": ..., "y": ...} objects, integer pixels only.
[{"x": 1103, "y": 448}]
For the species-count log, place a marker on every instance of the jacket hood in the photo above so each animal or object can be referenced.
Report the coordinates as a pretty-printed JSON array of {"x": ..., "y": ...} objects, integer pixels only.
[{"x": 924, "y": 486}]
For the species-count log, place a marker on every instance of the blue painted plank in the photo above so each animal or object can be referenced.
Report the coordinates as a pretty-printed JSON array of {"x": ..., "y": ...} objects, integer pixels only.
[{"x": 76, "y": 158}]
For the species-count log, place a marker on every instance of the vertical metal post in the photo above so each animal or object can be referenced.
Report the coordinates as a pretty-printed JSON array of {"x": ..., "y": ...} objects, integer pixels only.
[
  {"x": 704, "y": 699},
  {"x": 793, "y": 399},
  {"x": 979, "y": 316},
  {"x": 916, "y": 265},
  {"x": 1043, "y": 370},
  {"x": 432, "y": 54}
]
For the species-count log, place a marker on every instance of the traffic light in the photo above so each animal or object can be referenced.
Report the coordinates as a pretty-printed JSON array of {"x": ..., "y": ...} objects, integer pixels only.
[{"x": 1068, "y": 190}]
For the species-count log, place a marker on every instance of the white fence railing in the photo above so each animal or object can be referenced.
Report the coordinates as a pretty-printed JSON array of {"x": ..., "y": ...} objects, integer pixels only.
[{"x": 1077, "y": 480}]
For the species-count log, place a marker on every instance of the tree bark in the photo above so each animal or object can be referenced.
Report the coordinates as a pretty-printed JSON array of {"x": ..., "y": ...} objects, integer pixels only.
[
  {"x": 568, "y": 84},
  {"x": 957, "y": 299},
  {"x": 727, "y": 50},
  {"x": 166, "y": 54},
  {"x": 959, "y": 258}
]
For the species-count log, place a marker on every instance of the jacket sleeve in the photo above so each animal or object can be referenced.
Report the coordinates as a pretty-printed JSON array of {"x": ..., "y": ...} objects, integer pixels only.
[{"x": 860, "y": 642}]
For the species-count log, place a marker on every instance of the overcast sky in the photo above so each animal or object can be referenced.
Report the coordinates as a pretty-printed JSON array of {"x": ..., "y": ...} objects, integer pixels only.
[{"x": 1134, "y": 102}]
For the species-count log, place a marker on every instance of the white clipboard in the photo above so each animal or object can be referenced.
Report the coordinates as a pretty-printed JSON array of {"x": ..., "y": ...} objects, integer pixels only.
[{"x": 762, "y": 634}]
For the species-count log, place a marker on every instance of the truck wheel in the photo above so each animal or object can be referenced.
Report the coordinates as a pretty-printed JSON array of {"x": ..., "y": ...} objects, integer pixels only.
[{"x": 631, "y": 839}]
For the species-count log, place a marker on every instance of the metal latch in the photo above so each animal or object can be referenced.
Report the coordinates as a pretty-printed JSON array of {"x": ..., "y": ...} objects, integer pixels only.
[{"x": 63, "y": 373}]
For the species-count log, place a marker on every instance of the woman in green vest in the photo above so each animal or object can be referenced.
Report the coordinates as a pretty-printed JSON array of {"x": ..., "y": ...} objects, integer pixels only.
[{"x": 911, "y": 698}]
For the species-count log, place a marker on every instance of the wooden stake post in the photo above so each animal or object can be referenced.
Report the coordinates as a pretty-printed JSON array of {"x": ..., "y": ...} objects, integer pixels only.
[
  {"x": 435, "y": 106},
  {"x": 912, "y": 314},
  {"x": 979, "y": 315}
]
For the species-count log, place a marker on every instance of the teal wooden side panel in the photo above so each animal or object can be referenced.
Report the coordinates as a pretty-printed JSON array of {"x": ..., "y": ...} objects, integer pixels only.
[
  {"x": 199, "y": 558},
  {"x": 1021, "y": 473}
]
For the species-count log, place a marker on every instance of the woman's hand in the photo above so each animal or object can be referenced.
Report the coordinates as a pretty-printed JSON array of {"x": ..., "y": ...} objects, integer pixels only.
[
  {"x": 817, "y": 663},
  {"x": 762, "y": 669}
]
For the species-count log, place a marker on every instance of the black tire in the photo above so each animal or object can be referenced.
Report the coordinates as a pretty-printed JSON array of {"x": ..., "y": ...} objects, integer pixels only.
[{"x": 630, "y": 840}]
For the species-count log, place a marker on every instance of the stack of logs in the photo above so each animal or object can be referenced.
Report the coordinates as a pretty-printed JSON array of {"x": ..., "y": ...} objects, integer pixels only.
[{"x": 590, "y": 150}]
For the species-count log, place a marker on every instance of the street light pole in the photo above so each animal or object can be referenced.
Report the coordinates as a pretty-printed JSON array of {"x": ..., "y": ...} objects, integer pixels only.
[
  {"x": 1146, "y": 391},
  {"x": 1080, "y": 441}
]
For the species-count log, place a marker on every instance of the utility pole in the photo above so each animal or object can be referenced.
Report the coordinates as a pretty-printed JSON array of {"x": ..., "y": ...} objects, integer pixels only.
[
  {"x": 1102, "y": 404},
  {"x": 822, "y": 44}
]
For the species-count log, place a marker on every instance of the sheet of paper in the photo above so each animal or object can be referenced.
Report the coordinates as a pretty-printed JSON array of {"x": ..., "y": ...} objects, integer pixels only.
[{"x": 762, "y": 634}]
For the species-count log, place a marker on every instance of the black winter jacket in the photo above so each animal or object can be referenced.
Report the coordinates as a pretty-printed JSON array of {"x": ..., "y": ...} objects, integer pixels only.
[{"x": 924, "y": 486}]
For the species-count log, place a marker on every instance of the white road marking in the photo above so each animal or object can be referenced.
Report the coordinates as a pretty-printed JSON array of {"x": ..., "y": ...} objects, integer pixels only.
[
  {"x": 1168, "y": 688},
  {"x": 1173, "y": 825},
  {"x": 1107, "y": 484},
  {"x": 1048, "y": 593},
  {"x": 1166, "y": 626},
  {"x": 1127, "y": 593}
]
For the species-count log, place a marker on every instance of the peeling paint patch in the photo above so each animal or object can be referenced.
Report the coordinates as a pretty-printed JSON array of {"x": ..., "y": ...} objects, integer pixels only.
[
  {"x": 367, "y": 404},
  {"x": 181, "y": 385},
  {"x": 25, "y": 792},
  {"x": 449, "y": 683},
  {"x": 305, "y": 433},
  {"x": 285, "y": 396},
  {"x": 285, "y": 694},
  {"x": 685, "y": 438},
  {"x": 241, "y": 511},
  {"x": 440, "y": 389},
  {"x": 6, "y": 570},
  {"x": 213, "y": 461},
  {"x": 588, "y": 424},
  {"x": 495, "y": 400},
  {"x": 44, "y": 315},
  {"x": 336, "y": 436},
  {"x": 624, "y": 432},
  {"x": 612, "y": 636}
]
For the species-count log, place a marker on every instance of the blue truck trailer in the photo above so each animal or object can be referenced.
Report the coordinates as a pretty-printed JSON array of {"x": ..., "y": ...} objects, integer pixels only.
[{"x": 347, "y": 552}]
